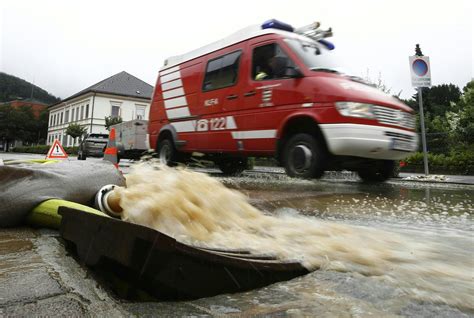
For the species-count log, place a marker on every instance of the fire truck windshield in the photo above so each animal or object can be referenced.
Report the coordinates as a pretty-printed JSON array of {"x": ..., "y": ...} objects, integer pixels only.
[{"x": 315, "y": 56}]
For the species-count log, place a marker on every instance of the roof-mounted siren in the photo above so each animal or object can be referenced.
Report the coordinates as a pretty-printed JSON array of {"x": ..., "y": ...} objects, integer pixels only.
[
  {"x": 275, "y": 24},
  {"x": 313, "y": 31}
]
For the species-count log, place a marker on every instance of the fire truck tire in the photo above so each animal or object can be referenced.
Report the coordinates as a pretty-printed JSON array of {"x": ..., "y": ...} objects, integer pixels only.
[
  {"x": 379, "y": 171},
  {"x": 232, "y": 166},
  {"x": 304, "y": 157},
  {"x": 167, "y": 152}
]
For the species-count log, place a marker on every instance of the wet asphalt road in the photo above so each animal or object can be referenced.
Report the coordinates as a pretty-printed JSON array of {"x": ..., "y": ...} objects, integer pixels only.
[{"x": 39, "y": 277}]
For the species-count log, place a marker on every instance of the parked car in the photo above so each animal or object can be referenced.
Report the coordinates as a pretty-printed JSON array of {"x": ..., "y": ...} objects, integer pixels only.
[
  {"x": 272, "y": 90},
  {"x": 92, "y": 145}
]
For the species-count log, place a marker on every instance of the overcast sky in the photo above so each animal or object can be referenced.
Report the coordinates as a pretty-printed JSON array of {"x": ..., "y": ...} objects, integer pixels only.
[{"x": 65, "y": 46}]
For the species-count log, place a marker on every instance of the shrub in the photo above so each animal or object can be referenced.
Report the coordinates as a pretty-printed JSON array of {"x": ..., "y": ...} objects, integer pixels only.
[
  {"x": 43, "y": 149},
  {"x": 459, "y": 160}
]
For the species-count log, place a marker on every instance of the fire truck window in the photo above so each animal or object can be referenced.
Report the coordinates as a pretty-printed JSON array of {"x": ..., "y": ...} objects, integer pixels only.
[
  {"x": 270, "y": 62},
  {"x": 222, "y": 71}
]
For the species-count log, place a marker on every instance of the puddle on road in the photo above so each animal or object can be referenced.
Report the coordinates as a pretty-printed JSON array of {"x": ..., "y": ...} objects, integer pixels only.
[{"x": 358, "y": 233}]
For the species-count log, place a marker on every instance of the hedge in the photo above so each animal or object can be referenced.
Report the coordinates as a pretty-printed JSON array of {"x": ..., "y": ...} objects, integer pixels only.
[
  {"x": 455, "y": 162},
  {"x": 43, "y": 149}
]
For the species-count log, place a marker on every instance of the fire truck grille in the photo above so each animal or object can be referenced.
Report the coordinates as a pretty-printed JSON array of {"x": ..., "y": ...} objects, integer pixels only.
[
  {"x": 394, "y": 117},
  {"x": 398, "y": 136}
]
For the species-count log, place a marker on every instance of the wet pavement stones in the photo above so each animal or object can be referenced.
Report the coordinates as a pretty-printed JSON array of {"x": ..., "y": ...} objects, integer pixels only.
[{"x": 38, "y": 278}]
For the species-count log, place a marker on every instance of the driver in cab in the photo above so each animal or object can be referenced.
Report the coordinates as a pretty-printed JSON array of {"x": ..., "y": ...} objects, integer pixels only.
[{"x": 273, "y": 67}]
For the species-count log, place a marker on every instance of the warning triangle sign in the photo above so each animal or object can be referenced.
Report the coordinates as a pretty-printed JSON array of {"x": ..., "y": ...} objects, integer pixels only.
[{"x": 56, "y": 151}]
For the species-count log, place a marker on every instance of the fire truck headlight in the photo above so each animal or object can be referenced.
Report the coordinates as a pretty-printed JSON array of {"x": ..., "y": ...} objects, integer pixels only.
[{"x": 353, "y": 109}]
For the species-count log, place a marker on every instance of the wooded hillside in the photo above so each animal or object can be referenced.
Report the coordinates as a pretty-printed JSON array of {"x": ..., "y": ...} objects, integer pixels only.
[{"x": 12, "y": 87}]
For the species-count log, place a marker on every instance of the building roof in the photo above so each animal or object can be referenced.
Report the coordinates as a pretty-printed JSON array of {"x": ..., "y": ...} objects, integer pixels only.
[{"x": 122, "y": 84}]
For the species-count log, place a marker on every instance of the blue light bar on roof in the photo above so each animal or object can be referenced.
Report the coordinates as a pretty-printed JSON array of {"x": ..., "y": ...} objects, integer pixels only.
[
  {"x": 275, "y": 24},
  {"x": 327, "y": 44}
]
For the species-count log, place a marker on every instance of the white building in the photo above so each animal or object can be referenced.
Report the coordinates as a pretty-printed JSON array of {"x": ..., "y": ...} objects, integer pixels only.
[{"x": 121, "y": 95}]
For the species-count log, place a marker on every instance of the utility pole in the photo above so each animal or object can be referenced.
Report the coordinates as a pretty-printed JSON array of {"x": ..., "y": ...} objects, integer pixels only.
[{"x": 32, "y": 89}]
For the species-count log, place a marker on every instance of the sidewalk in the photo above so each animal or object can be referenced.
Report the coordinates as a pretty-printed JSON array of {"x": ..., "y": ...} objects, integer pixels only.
[
  {"x": 39, "y": 278},
  {"x": 403, "y": 176},
  {"x": 448, "y": 178}
]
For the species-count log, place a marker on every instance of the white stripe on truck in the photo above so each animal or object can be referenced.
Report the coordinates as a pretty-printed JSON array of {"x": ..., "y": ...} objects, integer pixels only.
[
  {"x": 172, "y": 84},
  {"x": 173, "y": 93},
  {"x": 185, "y": 126},
  {"x": 254, "y": 134},
  {"x": 177, "y": 112},
  {"x": 170, "y": 76},
  {"x": 172, "y": 87},
  {"x": 170, "y": 70},
  {"x": 175, "y": 102}
]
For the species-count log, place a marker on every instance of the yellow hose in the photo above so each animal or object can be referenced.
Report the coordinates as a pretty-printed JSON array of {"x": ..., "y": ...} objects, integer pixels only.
[{"x": 46, "y": 213}]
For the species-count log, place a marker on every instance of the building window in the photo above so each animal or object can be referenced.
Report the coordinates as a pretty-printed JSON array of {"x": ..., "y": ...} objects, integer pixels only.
[
  {"x": 61, "y": 121},
  {"x": 82, "y": 112},
  {"x": 115, "y": 111},
  {"x": 87, "y": 111},
  {"x": 140, "y": 111},
  {"x": 72, "y": 114},
  {"x": 50, "y": 120},
  {"x": 66, "y": 116},
  {"x": 77, "y": 113}
]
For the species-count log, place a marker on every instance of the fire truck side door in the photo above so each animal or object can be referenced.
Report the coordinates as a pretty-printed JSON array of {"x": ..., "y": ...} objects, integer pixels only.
[
  {"x": 219, "y": 94},
  {"x": 268, "y": 94}
]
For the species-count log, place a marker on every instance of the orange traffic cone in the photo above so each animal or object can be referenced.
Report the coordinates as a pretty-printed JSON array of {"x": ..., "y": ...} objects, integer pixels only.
[{"x": 110, "y": 153}]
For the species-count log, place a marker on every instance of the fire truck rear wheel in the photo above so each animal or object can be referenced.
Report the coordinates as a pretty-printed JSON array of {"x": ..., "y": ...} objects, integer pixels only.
[
  {"x": 378, "y": 171},
  {"x": 167, "y": 152},
  {"x": 232, "y": 166},
  {"x": 304, "y": 157}
]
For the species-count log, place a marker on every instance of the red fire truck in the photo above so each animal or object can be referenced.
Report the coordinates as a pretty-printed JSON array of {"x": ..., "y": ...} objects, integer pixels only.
[{"x": 271, "y": 90}]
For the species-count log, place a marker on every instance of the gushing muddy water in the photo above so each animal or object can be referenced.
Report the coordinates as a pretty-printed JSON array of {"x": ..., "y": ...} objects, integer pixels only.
[{"x": 199, "y": 210}]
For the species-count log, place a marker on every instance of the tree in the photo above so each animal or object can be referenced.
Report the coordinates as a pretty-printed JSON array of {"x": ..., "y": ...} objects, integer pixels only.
[
  {"x": 438, "y": 99},
  {"x": 465, "y": 127},
  {"x": 41, "y": 126},
  {"x": 440, "y": 103},
  {"x": 110, "y": 121},
  {"x": 17, "y": 124},
  {"x": 75, "y": 130}
]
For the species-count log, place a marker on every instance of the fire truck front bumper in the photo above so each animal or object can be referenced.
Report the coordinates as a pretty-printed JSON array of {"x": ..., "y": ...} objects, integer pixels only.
[{"x": 368, "y": 141}]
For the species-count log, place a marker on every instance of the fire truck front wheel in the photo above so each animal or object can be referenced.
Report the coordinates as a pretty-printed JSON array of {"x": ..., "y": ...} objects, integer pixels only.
[
  {"x": 304, "y": 157},
  {"x": 167, "y": 152}
]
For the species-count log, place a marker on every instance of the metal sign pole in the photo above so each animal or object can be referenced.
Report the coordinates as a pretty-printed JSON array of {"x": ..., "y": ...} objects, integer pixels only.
[{"x": 423, "y": 135}]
